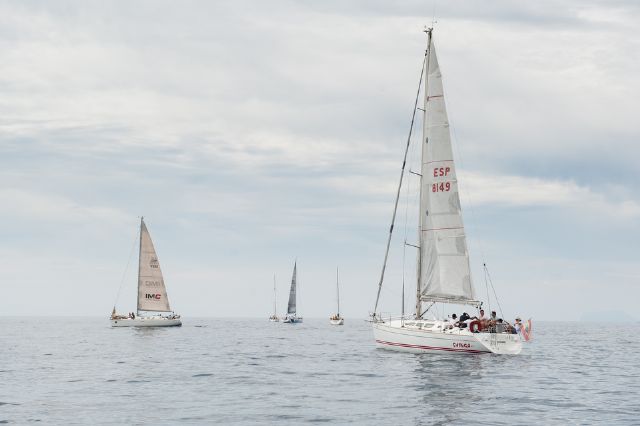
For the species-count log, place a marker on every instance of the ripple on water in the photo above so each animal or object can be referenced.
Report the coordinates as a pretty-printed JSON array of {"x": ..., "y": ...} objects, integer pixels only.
[{"x": 280, "y": 376}]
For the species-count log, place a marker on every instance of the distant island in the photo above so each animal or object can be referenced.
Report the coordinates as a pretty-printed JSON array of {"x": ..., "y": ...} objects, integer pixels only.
[{"x": 608, "y": 316}]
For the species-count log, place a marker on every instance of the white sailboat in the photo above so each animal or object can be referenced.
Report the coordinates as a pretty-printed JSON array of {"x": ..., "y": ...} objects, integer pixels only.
[
  {"x": 292, "y": 316},
  {"x": 337, "y": 319},
  {"x": 153, "y": 304},
  {"x": 443, "y": 271},
  {"x": 274, "y": 317}
]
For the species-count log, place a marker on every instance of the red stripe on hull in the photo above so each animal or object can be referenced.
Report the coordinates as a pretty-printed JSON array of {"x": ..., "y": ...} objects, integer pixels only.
[{"x": 432, "y": 348}]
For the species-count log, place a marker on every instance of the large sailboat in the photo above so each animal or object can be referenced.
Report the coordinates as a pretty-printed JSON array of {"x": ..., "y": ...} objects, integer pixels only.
[
  {"x": 336, "y": 319},
  {"x": 292, "y": 316},
  {"x": 443, "y": 271},
  {"x": 153, "y": 304},
  {"x": 274, "y": 317}
]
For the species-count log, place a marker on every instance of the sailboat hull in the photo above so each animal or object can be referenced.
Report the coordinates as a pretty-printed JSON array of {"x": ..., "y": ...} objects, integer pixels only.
[
  {"x": 336, "y": 321},
  {"x": 146, "y": 322},
  {"x": 431, "y": 337},
  {"x": 292, "y": 320}
]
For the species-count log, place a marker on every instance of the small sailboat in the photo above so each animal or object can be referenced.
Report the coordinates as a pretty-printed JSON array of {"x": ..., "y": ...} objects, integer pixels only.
[
  {"x": 274, "y": 317},
  {"x": 443, "y": 271},
  {"x": 292, "y": 316},
  {"x": 153, "y": 304},
  {"x": 337, "y": 319}
]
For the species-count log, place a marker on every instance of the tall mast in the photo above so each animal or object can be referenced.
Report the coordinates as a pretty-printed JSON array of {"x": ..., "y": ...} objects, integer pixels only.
[
  {"x": 338, "y": 291},
  {"x": 274, "y": 295},
  {"x": 139, "y": 264},
  {"x": 425, "y": 141}
]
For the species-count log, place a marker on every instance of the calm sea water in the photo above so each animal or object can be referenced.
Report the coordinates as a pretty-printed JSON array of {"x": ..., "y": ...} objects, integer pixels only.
[{"x": 224, "y": 371}]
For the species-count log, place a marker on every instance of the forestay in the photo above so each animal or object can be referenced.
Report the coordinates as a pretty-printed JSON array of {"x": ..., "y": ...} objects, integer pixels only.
[
  {"x": 291, "y": 308},
  {"x": 444, "y": 259},
  {"x": 152, "y": 294}
]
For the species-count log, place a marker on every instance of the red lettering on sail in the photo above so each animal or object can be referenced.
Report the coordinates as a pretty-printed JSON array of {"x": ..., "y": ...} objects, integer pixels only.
[
  {"x": 441, "y": 187},
  {"x": 441, "y": 171}
]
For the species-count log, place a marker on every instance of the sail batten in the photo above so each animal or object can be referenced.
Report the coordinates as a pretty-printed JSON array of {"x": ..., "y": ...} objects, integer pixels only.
[
  {"x": 152, "y": 293},
  {"x": 444, "y": 272}
]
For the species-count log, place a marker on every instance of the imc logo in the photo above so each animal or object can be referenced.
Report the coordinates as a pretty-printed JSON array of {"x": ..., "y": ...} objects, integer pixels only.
[
  {"x": 154, "y": 262},
  {"x": 152, "y": 296}
]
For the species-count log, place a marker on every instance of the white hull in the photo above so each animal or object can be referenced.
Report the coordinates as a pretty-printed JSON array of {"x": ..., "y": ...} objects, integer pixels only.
[
  {"x": 274, "y": 319},
  {"x": 292, "y": 320},
  {"x": 337, "y": 321},
  {"x": 430, "y": 337},
  {"x": 146, "y": 322}
]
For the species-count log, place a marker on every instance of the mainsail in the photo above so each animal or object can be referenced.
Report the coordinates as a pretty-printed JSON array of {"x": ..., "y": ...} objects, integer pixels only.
[
  {"x": 444, "y": 273},
  {"x": 291, "y": 308},
  {"x": 152, "y": 294}
]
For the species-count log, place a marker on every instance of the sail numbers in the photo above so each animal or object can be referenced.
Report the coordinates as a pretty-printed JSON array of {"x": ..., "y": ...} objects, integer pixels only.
[{"x": 442, "y": 186}]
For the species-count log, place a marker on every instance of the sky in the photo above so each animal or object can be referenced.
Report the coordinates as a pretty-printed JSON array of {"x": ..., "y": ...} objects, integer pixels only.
[{"x": 250, "y": 134}]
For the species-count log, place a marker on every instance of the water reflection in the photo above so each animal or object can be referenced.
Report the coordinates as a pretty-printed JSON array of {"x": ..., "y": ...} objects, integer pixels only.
[{"x": 448, "y": 386}]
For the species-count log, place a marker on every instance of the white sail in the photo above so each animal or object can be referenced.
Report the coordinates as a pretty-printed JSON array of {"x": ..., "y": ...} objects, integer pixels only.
[
  {"x": 444, "y": 273},
  {"x": 291, "y": 308},
  {"x": 152, "y": 294}
]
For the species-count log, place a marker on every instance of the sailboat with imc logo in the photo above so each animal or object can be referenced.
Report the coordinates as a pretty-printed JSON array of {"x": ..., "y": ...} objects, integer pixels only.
[{"x": 153, "y": 304}]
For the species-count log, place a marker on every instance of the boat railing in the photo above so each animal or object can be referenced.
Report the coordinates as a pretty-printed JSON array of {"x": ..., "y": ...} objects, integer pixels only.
[{"x": 408, "y": 320}]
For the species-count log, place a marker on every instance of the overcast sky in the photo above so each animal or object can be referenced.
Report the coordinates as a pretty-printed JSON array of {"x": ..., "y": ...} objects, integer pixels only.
[{"x": 252, "y": 133}]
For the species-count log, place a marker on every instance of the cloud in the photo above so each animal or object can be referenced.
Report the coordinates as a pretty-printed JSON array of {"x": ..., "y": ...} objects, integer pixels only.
[
  {"x": 521, "y": 191},
  {"x": 252, "y": 132},
  {"x": 27, "y": 205}
]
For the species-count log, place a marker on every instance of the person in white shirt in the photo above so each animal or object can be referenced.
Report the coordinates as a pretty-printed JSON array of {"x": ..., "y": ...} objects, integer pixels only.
[
  {"x": 482, "y": 318},
  {"x": 518, "y": 325},
  {"x": 453, "y": 321}
]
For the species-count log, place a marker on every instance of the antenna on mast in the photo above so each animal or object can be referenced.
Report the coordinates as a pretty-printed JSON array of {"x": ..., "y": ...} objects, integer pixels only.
[{"x": 433, "y": 19}]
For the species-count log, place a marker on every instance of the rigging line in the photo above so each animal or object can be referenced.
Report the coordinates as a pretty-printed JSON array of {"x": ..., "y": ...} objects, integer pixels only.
[
  {"x": 463, "y": 189},
  {"x": 486, "y": 284},
  {"x": 404, "y": 162},
  {"x": 406, "y": 229},
  {"x": 126, "y": 269},
  {"x": 494, "y": 290}
]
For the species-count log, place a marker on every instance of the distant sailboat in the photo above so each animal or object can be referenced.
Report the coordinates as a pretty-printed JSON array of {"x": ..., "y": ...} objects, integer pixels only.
[
  {"x": 274, "y": 317},
  {"x": 337, "y": 319},
  {"x": 292, "y": 316},
  {"x": 444, "y": 274},
  {"x": 153, "y": 303}
]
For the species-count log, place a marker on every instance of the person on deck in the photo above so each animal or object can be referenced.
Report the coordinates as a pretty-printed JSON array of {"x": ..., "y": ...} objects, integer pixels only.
[
  {"x": 464, "y": 320},
  {"x": 518, "y": 325},
  {"x": 453, "y": 321},
  {"x": 482, "y": 318}
]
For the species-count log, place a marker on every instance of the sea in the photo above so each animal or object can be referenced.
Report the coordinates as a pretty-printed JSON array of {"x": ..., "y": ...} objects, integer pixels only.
[{"x": 80, "y": 371}]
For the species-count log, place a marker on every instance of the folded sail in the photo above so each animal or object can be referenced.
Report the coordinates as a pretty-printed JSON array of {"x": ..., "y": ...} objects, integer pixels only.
[
  {"x": 291, "y": 308},
  {"x": 444, "y": 259},
  {"x": 152, "y": 294}
]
